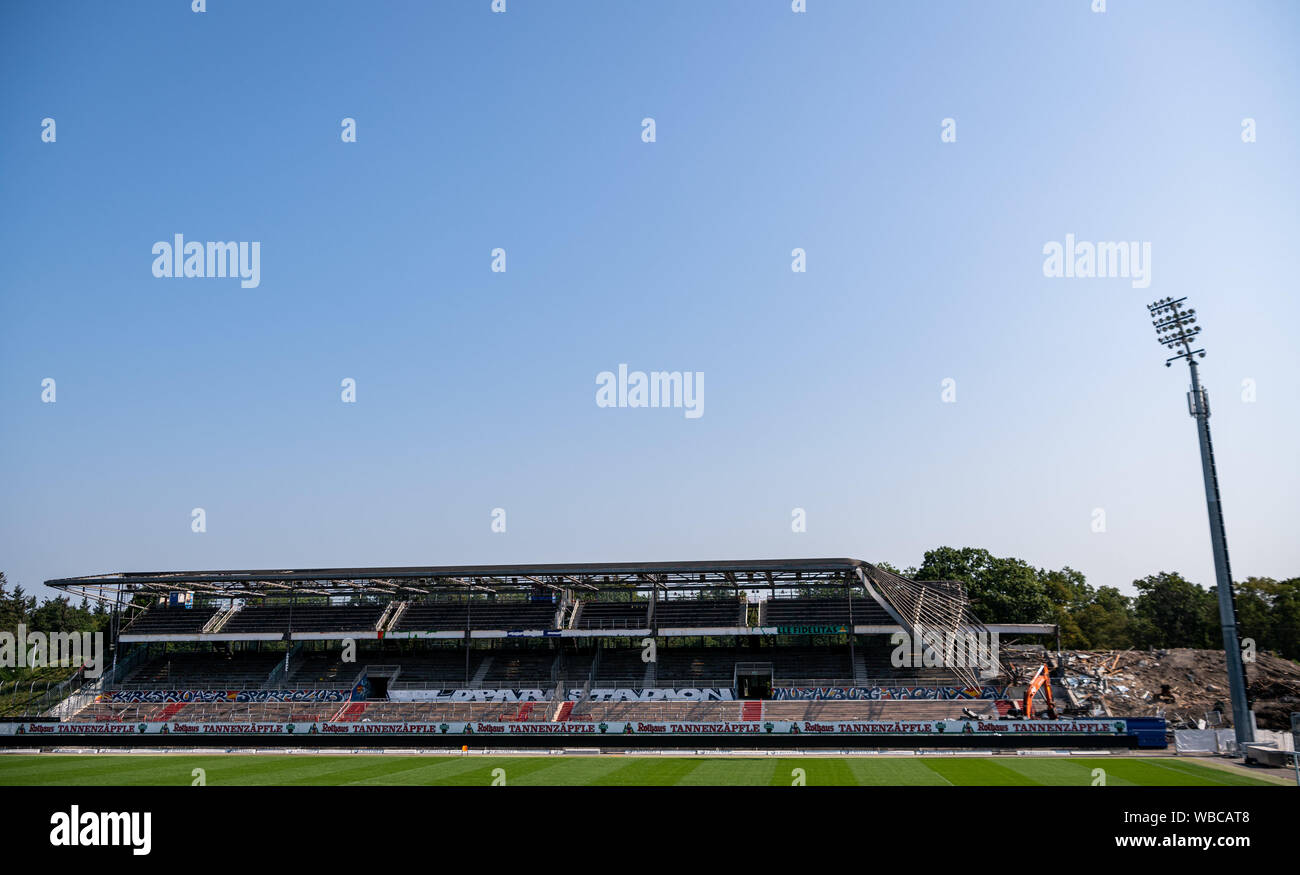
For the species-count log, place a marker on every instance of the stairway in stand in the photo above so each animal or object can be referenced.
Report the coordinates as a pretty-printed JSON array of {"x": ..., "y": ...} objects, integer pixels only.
[{"x": 751, "y": 710}]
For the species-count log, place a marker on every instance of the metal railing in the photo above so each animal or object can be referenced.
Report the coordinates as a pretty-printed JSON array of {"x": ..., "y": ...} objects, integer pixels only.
[
  {"x": 27, "y": 696},
  {"x": 604, "y": 623},
  {"x": 9, "y": 689}
]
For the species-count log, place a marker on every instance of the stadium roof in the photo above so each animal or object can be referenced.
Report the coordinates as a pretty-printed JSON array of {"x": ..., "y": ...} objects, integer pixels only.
[{"x": 415, "y": 580}]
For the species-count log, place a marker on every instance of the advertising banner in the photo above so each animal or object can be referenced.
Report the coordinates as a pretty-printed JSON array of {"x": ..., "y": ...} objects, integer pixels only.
[{"x": 42, "y": 729}]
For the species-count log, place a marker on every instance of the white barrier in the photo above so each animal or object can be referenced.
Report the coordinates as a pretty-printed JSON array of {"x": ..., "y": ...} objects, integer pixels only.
[
  {"x": 1223, "y": 742},
  {"x": 1196, "y": 742}
]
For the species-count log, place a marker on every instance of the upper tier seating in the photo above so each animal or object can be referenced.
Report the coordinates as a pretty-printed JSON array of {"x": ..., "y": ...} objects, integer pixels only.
[
  {"x": 170, "y": 621},
  {"x": 613, "y": 615},
  {"x": 446, "y": 616},
  {"x": 834, "y": 612},
  {"x": 679, "y": 613},
  {"x": 304, "y": 618}
]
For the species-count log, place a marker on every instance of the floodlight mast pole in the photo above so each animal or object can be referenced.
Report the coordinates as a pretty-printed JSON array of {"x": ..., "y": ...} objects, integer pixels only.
[{"x": 1174, "y": 329}]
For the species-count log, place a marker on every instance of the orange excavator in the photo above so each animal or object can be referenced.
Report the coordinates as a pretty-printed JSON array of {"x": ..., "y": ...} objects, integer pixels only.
[{"x": 1039, "y": 681}]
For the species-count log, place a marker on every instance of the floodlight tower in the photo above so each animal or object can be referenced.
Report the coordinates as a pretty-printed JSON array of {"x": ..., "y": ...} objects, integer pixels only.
[{"x": 1176, "y": 329}]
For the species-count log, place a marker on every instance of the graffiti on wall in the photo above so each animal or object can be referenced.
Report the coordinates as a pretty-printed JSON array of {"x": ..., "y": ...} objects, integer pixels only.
[
  {"x": 888, "y": 694},
  {"x": 163, "y": 697}
]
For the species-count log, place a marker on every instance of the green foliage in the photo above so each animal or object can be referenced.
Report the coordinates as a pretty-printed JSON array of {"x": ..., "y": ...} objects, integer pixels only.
[
  {"x": 1269, "y": 612},
  {"x": 23, "y": 689},
  {"x": 53, "y": 615},
  {"x": 1171, "y": 611},
  {"x": 1001, "y": 590},
  {"x": 1105, "y": 621},
  {"x": 1168, "y": 611},
  {"x": 909, "y": 572}
]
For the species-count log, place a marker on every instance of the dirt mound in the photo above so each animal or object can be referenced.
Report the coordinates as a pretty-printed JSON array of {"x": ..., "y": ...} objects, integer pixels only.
[{"x": 1184, "y": 686}]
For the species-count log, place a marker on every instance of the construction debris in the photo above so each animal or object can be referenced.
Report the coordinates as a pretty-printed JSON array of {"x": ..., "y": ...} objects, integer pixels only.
[{"x": 1182, "y": 685}]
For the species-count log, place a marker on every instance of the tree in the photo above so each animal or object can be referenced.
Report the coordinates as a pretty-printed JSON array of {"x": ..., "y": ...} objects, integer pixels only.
[
  {"x": 1106, "y": 621},
  {"x": 1255, "y": 597},
  {"x": 1001, "y": 590},
  {"x": 1286, "y": 618},
  {"x": 1269, "y": 612},
  {"x": 909, "y": 572},
  {"x": 16, "y": 608},
  {"x": 1069, "y": 593},
  {"x": 58, "y": 615},
  {"x": 1170, "y": 611}
]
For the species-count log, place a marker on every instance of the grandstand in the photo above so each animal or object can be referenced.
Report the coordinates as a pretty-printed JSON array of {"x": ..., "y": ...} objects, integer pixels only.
[
  {"x": 709, "y": 642},
  {"x": 349, "y": 619},
  {"x": 466, "y": 614},
  {"x": 619, "y": 616},
  {"x": 173, "y": 621},
  {"x": 203, "y": 670}
]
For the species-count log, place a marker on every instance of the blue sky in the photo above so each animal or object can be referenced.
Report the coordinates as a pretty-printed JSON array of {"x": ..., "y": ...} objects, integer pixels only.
[{"x": 522, "y": 130}]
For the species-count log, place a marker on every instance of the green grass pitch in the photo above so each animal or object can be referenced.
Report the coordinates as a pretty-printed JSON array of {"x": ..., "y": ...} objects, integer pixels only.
[{"x": 652, "y": 771}]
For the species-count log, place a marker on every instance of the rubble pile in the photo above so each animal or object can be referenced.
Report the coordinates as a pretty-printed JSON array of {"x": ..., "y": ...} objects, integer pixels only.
[{"x": 1182, "y": 685}]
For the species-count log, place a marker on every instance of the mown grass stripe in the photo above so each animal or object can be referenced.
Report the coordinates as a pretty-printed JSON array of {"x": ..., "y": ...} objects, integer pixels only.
[{"x": 605, "y": 770}]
